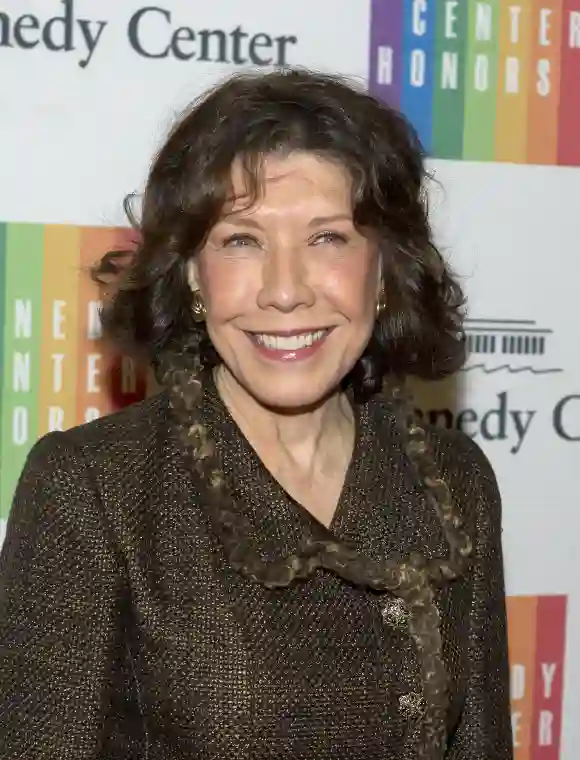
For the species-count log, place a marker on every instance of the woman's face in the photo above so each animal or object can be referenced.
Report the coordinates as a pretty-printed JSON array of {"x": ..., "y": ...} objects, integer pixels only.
[{"x": 289, "y": 285}]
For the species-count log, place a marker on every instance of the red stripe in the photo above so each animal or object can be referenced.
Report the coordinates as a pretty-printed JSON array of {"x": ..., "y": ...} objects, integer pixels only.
[
  {"x": 569, "y": 112},
  {"x": 548, "y": 678}
]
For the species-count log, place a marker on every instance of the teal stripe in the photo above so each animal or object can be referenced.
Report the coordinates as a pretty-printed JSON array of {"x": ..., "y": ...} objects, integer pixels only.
[{"x": 449, "y": 85}]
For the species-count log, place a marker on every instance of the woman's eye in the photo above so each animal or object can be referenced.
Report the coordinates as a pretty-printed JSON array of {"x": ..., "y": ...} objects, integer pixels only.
[
  {"x": 329, "y": 237},
  {"x": 239, "y": 241}
]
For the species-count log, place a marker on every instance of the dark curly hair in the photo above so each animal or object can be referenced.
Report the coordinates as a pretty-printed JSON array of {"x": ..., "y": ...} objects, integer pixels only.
[
  {"x": 248, "y": 117},
  {"x": 419, "y": 333}
]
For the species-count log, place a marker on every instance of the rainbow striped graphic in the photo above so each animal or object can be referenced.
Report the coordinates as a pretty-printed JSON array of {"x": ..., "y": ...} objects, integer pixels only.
[
  {"x": 54, "y": 370},
  {"x": 482, "y": 80},
  {"x": 537, "y": 627}
]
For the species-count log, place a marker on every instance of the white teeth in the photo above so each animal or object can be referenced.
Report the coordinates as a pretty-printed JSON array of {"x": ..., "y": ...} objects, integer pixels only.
[{"x": 289, "y": 342}]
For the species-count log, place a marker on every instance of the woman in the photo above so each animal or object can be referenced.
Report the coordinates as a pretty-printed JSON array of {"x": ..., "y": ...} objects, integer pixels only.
[{"x": 270, "y": 558}]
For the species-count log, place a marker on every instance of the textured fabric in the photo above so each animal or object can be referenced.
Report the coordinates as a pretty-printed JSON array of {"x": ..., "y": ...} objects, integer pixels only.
[{"x": 125, "y": 634}]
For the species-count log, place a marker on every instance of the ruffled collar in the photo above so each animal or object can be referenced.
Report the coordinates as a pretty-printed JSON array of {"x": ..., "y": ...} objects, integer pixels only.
[{"x": 382, "y": 511}]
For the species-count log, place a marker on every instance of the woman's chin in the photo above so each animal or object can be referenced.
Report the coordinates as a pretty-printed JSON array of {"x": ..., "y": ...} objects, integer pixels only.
[
  {"x": 282, "y": 391},
  {"x": 292, "y": 398}
]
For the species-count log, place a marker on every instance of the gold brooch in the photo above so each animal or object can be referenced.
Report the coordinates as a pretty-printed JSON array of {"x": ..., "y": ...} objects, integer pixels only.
[
  {"x": 396, "y": 614},
  {"x": 412, "y": 705}
]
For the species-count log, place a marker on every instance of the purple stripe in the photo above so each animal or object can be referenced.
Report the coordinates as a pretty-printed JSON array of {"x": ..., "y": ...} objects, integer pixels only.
[{"x": 386, "y": 47}]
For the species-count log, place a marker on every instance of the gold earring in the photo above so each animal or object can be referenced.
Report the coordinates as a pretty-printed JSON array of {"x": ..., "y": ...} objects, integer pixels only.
[
  {"x": 198, "y": 307},
  {"x": 381, "y": 305}
]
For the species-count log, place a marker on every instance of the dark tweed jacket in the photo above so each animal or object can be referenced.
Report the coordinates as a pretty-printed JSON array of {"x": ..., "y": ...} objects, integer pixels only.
[{"x": 124, "y": 633}]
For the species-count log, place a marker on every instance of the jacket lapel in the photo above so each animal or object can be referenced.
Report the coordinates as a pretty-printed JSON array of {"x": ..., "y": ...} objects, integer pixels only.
[
  {"x": 275, "y": 524},
  {"x": 382, "y": 511}
]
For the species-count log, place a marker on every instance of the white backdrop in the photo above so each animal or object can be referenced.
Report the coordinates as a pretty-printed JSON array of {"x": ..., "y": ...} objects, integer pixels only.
[{"x": 75, "y": 139}]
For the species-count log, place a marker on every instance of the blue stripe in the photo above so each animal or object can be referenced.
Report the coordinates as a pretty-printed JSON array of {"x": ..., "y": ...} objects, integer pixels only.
[{"x": 419, "y": 67}]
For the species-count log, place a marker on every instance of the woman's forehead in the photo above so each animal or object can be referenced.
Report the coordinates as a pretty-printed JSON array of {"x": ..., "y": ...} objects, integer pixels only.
[{"x": 303, "y": 177}]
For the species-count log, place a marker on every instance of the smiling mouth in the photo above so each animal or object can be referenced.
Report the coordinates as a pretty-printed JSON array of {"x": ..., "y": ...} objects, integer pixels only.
[{"x": 295, "y": 342}]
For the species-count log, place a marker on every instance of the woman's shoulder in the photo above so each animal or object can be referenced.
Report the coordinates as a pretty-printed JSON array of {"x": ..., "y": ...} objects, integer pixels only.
[
  {"x": 454, "y": 449},
  {"x": 132, "y": 425},
  {"x": 459, "y": 460},
  {"x": 73, "y": 477},
  {"x": 468, "y": 472},
  {"x": 456, "y": 454},
  {"x": 124, "y": 441}
]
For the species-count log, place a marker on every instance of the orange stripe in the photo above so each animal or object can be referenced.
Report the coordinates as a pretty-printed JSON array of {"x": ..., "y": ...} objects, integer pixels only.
[
  {"x": 128, "y": 378},
  {"x": 58, "y": 360},
  {"x": 545, "y": 82},
  {"x": 93, "y": 397},
  {"x": 522, "y": 625},
  {"x": 515, "y": 28}
]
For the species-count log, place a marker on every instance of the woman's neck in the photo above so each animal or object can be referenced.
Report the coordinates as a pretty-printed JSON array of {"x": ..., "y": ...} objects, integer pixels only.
[{"x": 310, "y": 439}]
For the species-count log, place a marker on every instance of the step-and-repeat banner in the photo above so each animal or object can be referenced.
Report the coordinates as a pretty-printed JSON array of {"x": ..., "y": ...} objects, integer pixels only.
[{"x": 88, "y": 89}]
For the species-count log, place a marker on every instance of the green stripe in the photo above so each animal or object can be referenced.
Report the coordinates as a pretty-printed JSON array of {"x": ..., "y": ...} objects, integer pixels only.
[
  {"x": 2, "y": 373},
  {"x": 22, "y": 308},
  {"x": 480, "y": 102}
]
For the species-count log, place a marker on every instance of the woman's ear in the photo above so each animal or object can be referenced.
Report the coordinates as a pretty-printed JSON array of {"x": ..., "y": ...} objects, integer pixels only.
[
  {"x": 192, "y": 275},
  {"x": 380, "y": 277}
]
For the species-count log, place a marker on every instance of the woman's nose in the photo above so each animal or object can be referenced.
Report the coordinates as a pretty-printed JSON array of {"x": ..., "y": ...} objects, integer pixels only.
[{"x": 285, "y": 283}]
